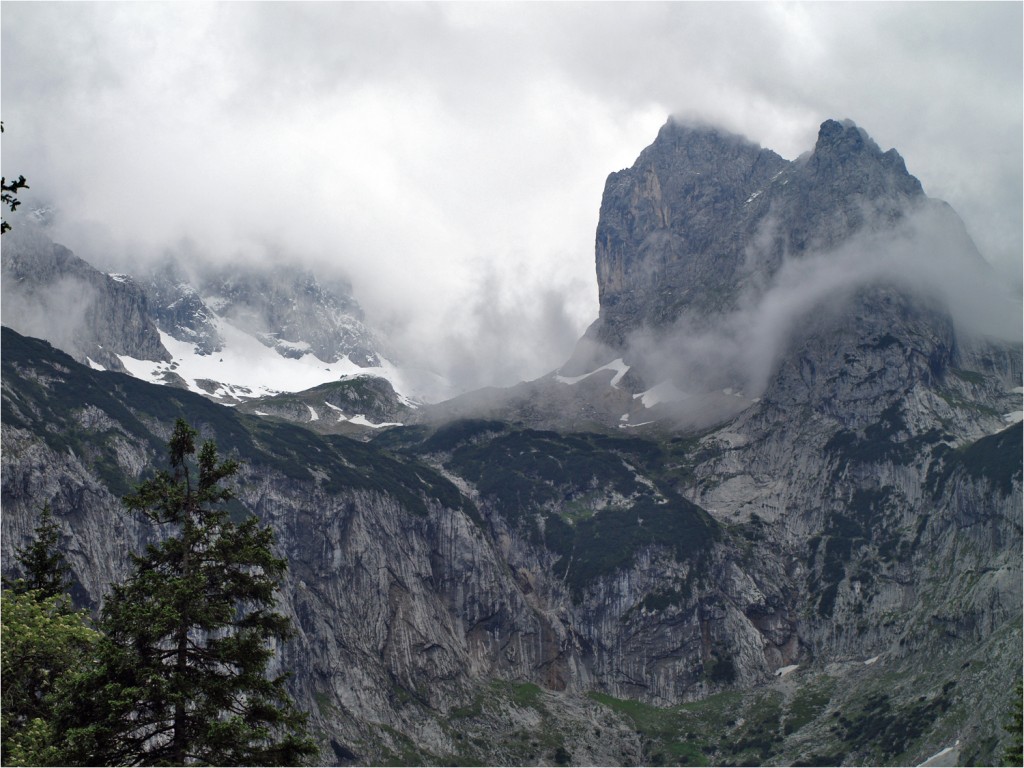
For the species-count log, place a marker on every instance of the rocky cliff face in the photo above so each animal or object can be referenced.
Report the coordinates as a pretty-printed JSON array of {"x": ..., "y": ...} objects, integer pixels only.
[
  {"x": 50, "y": 293},
  {"x": 180, "y": 311},
  {"x": 409, "y": 593},
  {"x": 431, "y": 563},
  {"x": 288, "y": 309},
  {"x": 703, "y": 213}
]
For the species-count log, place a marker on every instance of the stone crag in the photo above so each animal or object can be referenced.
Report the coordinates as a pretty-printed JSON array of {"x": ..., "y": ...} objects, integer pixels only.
[{"x": 51, "y": 293}]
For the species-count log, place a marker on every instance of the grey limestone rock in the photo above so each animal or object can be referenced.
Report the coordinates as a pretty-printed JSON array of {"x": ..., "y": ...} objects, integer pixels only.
[
  {"x": 291, "y": 311},
  {"x": 180, "y": 311},
  {"x": 50, "y": 293},
  {"x": 683, "y": 229},
  {"x": 861, "y": 508}
]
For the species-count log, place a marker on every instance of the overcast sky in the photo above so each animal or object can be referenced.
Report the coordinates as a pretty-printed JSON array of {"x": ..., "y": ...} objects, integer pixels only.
[{"x": 450, "y": 158}]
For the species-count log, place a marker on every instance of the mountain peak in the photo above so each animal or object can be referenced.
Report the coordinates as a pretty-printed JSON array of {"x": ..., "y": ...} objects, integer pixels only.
[
  {"x": 696, "y": 146},
  {"x": 842, "y": 145},
  {"x": 845, "y": 135},
  {"x": 704, "y": 219}
]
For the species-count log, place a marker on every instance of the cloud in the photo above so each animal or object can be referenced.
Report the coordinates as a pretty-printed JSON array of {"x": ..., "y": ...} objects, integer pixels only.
[
  {"x": 56, "y": 314},
  {"x": 428, "y": 150},
  {"x": 928, "y": 256}
]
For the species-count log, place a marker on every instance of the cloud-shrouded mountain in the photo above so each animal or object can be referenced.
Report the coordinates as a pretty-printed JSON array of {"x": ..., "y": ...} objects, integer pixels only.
[
  {"x": 231, "y": 334},
  {"x": 713, "y": 255},
  {"x": 768, "y": 513},
  {"x": 50, "y": 293}
]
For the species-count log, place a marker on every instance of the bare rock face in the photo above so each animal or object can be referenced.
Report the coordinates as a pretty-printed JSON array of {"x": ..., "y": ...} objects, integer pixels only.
[
  {"x": 291, "y": 311},
  {"x": 702, "y": 212},
  {"x": 180, "y": 311},
  {"x": 481, "y": 578},
  {"x": 684, "y": 197},
  {"x": 50, "y": 293}
]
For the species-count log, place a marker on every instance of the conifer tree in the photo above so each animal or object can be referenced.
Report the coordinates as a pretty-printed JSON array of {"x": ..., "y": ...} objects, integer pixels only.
[
  {"x": 1014, "y": 754},
  {"x": 182, "y": 669},
  {"x": 45, "y": 571},
  {"x": 44, "y": 642}
]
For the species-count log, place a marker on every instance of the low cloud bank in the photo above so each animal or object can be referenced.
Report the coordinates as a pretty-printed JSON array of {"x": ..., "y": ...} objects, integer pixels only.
[{"x": 929, "y": 256}]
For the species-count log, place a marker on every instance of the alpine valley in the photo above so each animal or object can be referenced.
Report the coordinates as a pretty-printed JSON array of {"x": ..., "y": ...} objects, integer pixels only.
[{"x": 769, "y": 512}]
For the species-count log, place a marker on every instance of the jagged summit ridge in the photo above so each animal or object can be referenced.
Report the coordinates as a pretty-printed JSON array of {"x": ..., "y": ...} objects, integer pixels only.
[
  {"x": 287, "y": 308},
  {"x": 682, "y": 229},
  {"x": 717, "y": 260}
]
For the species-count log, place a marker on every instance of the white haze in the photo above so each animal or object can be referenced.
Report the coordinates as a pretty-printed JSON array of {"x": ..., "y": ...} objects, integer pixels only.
[
  {"x": 56, "y": 314},
  {"x": 929, "y": 256},
  {"x": 449, "y": 159}
]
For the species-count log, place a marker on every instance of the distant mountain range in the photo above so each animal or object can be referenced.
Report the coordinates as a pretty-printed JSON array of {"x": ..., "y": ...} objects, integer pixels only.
[{"x": 232, "y": 334}]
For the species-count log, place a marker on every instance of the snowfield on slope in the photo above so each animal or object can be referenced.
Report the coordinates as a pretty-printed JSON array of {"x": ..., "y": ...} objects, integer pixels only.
[
  {"x": 616, "y": 365},
  {"x": 245, "y": 368}
]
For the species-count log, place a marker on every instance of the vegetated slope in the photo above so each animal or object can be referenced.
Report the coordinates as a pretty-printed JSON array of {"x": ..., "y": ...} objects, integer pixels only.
[
  {"x": 356, "y": 405},
  {"x": 400, "y": 584},
  {"x": 430, "y": 562}
]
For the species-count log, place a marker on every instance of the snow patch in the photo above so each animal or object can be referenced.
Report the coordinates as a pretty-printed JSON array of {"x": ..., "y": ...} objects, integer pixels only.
[
  {"x": 783, "y": 671},
  {"x": 362, "y": 421},
  {"x": 936, "y": 759},
  {"x": 1013, "y": 417},
  {"x": 246, "y": 368},
  {"x": 872, "y": 660},
  {"x": 617, "y": 365},
  {"x": 336, "y": 409},
  {"x": 313, "y": 415},
  {"x": 94, "y": 365},
  {"x": 118, "y": 277},
  {"x": 666, "y": 392}
]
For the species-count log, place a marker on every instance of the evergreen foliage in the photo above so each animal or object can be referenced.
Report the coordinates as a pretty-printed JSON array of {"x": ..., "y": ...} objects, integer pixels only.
[
  {"x": 181, "y": 671},
  {"x": 43, "y": 643},
  {"x": 8, "y": 194},
  {"x": 1014, "y": 754},
  {"x": 46, "y": 573}
]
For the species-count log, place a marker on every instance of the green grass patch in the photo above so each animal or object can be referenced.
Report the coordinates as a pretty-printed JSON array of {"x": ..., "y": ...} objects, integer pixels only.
[{"x": 809, "y": 703}]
